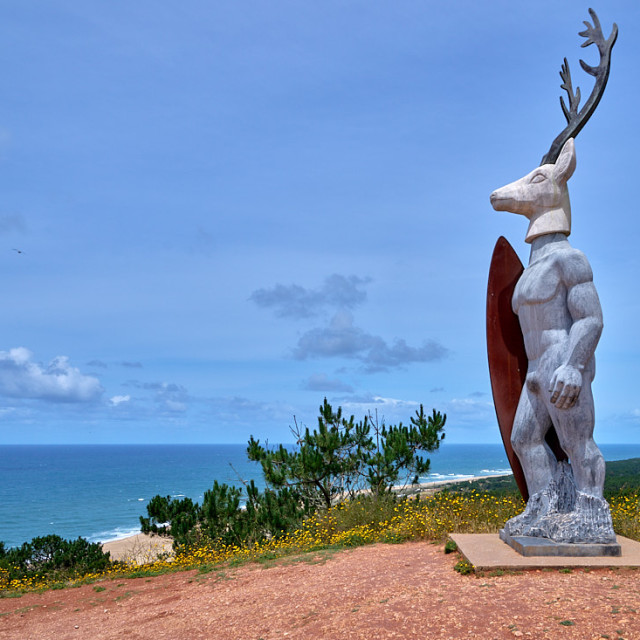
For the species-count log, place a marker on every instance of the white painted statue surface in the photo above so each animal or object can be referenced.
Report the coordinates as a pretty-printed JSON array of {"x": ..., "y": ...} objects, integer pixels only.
[{"x": 561, "y": 321}]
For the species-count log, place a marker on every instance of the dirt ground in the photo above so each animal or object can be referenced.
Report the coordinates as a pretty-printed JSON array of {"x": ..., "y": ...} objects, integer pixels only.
[{"x": 407, "y": 591}]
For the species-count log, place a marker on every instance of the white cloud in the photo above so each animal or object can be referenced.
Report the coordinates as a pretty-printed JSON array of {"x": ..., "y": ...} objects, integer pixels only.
[
  {"x": 469, "y": 406},
  {"x": 132, "y": 365},
  {"x": 174, "y": 406},
  {"x": 118, "y": 400},
  {"x": 170, "y": 396},
  {"x": 21, "y": 377},
  {"x": 239, "y": 410},
  {"x": 339, "y": 292},
  {"x": 321, "y": 382},
  {"x": 367, "y": 403},
  {"x": 470, "y": 412},
  {"x": 342, "y": 338}
]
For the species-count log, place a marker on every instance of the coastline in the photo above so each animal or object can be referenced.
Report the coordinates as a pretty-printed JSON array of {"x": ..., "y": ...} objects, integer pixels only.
[
  {"x": 142, "y": 548},
  {"x": 442, "y": 483},
  {"x": 429, "y": 488},
  {"x": 83, "y": 500}
]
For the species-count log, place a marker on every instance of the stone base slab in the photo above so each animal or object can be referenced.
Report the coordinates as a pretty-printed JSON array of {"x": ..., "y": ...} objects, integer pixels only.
[
  {"x": 530, "y": 546},
  {"x": 486, "y": 552}
]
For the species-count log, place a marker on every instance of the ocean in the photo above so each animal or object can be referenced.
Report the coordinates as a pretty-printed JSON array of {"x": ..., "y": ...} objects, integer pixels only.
[{"x": 100, "y": 491}]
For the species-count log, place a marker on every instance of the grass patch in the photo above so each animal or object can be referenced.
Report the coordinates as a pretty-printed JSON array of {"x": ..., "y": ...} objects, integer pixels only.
[{"x": 145, "y": 571}]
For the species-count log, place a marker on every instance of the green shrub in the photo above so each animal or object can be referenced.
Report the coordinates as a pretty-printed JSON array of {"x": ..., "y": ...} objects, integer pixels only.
[
  {"x": 54, "y": 556},
  {"x": 167, "y": 513},
  {"x": 450, "y": 546},
  {"x": 222, "y": 520},
  {"x": 463, "y": 568}
]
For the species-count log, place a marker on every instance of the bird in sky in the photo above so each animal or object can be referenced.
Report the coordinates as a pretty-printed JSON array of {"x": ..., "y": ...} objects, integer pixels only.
[{"x": 18, "y": 251}]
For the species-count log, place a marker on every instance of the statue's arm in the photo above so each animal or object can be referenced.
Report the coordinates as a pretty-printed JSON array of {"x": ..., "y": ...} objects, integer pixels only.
[{"x": 584, "y": 308}]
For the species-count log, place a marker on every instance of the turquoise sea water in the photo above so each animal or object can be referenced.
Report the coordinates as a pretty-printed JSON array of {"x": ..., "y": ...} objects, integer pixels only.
[{"x": 99, "y": 492}]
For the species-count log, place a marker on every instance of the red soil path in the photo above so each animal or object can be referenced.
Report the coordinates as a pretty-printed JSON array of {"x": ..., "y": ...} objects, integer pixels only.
[{"x": 407, "y": 591}]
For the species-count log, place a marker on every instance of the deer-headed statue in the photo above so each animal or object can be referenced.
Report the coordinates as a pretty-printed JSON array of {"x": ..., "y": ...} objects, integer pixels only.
[{"x": 561, "y": 322}]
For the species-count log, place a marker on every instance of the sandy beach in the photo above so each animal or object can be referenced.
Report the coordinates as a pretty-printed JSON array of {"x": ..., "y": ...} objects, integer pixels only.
[{"x": 139, "y": 549}]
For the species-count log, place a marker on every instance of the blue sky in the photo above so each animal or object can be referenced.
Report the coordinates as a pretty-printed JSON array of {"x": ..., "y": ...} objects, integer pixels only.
[{"x": 230, "y": 210}]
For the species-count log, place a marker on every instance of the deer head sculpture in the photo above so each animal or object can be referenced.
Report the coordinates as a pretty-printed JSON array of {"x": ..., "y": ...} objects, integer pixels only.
[{"x": 542, "y": 195}]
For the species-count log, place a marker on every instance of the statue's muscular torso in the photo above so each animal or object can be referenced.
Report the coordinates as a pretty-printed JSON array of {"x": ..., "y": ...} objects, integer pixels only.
[{"x": 554, "y": 292}]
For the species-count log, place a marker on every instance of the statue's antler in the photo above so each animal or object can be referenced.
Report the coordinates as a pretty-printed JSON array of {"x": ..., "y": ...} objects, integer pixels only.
[{"x": 577, "y": 119}]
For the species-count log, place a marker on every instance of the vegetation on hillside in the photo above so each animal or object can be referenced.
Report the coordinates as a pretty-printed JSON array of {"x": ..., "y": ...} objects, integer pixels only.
[
  {"x": 221, "y": 519},
  {"x": 623, "y": 477},
  {"x": 293, "y": 516},
  {"x": 52, "y": 557},
  {"x": 337, "y": 461}
]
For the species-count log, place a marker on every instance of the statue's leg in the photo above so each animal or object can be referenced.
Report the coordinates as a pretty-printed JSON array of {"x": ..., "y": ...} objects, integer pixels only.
[
  {"x": 531, "y": 423},
  {"x": 575, "y": 431},
  {"x": 589, "y": 519}
]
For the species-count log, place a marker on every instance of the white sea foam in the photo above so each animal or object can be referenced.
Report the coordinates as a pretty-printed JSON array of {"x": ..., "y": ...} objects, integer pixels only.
[
  {"x": 114, "y": 534},
  {"x": 439, "y": 477},
  {"x": 501, "y": 472}
]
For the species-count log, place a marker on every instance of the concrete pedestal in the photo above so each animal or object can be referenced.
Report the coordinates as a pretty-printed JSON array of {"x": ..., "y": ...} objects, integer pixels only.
[
  {"x": 530, "y": 546},
  {"x": 486, "y": 552}
]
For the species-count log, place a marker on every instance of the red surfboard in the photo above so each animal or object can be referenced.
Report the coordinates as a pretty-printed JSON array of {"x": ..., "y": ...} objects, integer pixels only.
[
  {"x": 505, "y": 347},
  {"x": 507, "y": 357}
]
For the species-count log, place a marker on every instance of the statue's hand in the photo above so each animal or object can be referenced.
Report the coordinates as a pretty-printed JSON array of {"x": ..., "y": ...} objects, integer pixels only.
[{"x": 565, "y": 386}]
